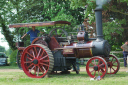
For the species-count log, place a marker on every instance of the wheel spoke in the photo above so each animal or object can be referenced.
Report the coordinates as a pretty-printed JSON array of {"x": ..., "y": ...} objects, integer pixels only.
[
  {"x": 35, "y": 50},
  {"x": 110, "y": 69},
  {"x": 31, "y": 69},
  {"x": 112, "y": 59},
  {"x": 29, "y": 58},
  {"x": 113, "y": 69},
  {"x": 38, "y": 71},
  {"x": 41, "y": 70},
  {"x": 98, "y": 62},
  {"x": 43, "y": 57},
  {"x": 101, "y": 65},
  {"x": 35, "y": 70},
  {"x": 30, "y": 54},
  {"x": 28, "y": 62},
  {"x": 94, "y": 62},
  {"x": 115, "y": 62},
  {"x": 33, "y": 53},
  {"x": 98, "y": 73},
  {"x": 30, "y": 65},
  {"x": 101, "y": 71},
  {"x": 42, "y": 53},
  {"x": 44, "y": 69},
  {"x": 45, "y": 61},
  {"x": 39, "y": 53},
  {"x": 94, "y": 73},
  {"x": 44, "y": 64}
]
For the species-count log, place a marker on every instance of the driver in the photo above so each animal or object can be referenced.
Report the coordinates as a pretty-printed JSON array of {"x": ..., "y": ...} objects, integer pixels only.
[{"x": 33, "y": 33}]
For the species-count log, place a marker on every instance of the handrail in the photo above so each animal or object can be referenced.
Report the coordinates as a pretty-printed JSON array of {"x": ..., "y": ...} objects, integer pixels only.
[{"x": 116, "y": 52}]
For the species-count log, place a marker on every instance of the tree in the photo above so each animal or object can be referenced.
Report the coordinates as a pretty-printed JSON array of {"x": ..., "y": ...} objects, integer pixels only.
[
  {"x": 8, "y": 52},
  {"x": 115, "y": 17},
  {"x": 24, "y": 11},
  {"x": 2, "y": 49},
  {"x": 4, "y": 8}
]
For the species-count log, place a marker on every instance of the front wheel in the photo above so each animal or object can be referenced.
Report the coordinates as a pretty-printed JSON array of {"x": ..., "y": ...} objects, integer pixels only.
[
  {"x": 37, "y": 61},
  {"x": 96, "y": 66}
]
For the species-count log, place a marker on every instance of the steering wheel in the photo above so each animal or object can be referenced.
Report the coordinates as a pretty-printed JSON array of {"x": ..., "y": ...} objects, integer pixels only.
[{"x": 58, "y": 32}]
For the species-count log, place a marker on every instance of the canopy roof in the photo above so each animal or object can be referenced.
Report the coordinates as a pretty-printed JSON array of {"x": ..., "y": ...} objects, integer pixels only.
[{"x": 47, "y": 23}]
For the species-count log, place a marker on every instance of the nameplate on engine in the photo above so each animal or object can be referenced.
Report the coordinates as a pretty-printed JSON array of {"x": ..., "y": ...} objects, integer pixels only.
[{"x": 68, "y": 51}]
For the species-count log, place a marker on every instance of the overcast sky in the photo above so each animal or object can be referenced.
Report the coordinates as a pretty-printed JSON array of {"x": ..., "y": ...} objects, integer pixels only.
[{"x": 3, "y": 43}]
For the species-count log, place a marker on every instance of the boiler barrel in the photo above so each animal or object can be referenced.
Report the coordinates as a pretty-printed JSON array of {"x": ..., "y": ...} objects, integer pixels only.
[
  {"x": 101, "y": 48},
  {"x": 89, "y": 49}
]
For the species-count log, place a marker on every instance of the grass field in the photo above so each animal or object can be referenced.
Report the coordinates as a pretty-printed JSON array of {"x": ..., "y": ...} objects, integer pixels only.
[{"x": 19, "y": 78}]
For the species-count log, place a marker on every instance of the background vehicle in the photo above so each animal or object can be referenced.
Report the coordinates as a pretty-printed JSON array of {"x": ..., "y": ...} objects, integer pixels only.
[{"x": 3, "y": 59}]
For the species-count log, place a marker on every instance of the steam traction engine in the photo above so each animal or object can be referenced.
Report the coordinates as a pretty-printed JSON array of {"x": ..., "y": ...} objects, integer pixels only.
[{"x": 51, "y": 53}]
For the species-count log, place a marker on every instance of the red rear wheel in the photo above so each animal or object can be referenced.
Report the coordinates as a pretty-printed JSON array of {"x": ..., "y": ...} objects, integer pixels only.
[
  {"x": 37, "y": 61},
  {"x": 113, "y": 65},
  {"x": 96, "y": 66}
]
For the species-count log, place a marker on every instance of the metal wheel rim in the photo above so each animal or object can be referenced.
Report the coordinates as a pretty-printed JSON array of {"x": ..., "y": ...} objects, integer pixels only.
[
  {"x": 42, "y": 55},
  {"x": 101, "y": 70},
  {"x": 113, "y": 66}
]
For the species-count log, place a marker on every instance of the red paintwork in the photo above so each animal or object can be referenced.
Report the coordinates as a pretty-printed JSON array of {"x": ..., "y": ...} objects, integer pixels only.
[
  {"x": 34, "y": 40},
  {"x": 39, "y": 40},
  {"x": 21, "y": 48},
  {"x": 78, "y": 50},
  {"x": 113, "y": 65},
  {"x": 53, "y": 44},
  {"x": 47, "y": 23},
  {"x": 81, "y": 35},
  {"x": 31, "y": 69},
  {"x": 101, "y": 67}
]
